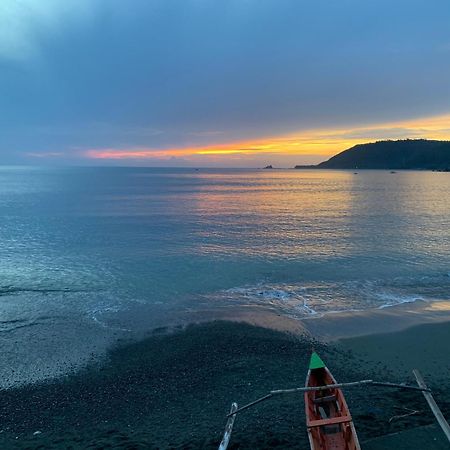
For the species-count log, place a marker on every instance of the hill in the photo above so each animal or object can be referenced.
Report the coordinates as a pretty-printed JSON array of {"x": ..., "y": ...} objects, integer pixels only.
[{"x": 419, "y": 154}]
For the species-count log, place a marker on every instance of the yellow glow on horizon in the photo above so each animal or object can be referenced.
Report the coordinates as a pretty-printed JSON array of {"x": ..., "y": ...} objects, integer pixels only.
[
  {"x": 214, "y": 151},
  {"x": 322, "y": 142}
]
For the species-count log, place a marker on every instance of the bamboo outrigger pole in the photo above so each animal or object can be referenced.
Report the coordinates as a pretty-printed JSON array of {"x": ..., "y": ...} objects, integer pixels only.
[
  {"x": 229, "y": 428},
  {"x": 328, "y": 386},
  {"x": 432, "y": 404}
]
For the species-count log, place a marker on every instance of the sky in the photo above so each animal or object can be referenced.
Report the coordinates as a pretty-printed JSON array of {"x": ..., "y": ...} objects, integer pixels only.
[{"x": 227, "y": 83}]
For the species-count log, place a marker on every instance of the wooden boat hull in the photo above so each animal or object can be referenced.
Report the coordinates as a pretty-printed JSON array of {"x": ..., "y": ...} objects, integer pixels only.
[{"x": 328, "y": 419}]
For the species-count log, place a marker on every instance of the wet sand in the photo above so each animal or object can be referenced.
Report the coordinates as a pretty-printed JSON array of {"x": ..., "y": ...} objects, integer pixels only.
[
  {"x": 342, "y": 325},
  {"x": 172, "y": 390}
]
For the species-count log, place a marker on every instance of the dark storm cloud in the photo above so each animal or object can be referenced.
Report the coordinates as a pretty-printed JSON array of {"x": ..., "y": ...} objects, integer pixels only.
[{"x": 164, "y": 73}]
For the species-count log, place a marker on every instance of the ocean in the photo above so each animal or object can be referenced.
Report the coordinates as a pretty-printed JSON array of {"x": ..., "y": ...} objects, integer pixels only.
[{"x": 91, "y": 256}]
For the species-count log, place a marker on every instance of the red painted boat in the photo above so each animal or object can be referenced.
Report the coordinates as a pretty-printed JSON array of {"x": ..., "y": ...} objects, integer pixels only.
[{"x": 328, "y": 419}]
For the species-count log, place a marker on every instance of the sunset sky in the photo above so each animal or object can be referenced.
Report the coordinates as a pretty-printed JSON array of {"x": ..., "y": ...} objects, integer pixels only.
[{"x": 236, "y": 83}]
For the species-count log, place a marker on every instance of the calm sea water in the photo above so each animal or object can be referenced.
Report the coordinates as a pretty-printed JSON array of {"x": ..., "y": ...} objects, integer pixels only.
[{"x": 90, "y": 255}]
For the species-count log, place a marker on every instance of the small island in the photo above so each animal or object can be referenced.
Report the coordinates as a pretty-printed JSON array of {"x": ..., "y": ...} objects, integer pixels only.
[{"x": 407, "y": 154}]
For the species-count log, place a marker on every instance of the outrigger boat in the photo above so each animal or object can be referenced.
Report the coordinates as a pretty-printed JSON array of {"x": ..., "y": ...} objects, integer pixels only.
[{"x": 328, "y": 419}]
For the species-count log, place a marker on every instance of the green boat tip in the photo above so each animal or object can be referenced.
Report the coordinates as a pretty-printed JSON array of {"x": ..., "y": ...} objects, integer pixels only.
[{"x": 316, "y": 362}]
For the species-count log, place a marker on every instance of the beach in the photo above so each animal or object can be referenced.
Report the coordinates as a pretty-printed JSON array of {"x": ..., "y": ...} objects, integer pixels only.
[{"x": 173, "y": 389}]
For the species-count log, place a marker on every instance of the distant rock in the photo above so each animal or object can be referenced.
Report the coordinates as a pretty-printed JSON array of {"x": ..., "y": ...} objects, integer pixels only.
[
  {"x": 408, "y": 154},
  {"x": 268, "y": 167}
]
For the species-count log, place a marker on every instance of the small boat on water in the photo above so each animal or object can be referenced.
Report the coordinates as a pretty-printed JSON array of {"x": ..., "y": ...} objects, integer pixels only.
[{"x": 328, "y": 420}]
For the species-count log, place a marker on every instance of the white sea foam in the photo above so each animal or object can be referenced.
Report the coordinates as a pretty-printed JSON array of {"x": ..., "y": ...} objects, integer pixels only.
[
  {"x": 316, "y": 299},
  {"x": 393, "y": 300}
]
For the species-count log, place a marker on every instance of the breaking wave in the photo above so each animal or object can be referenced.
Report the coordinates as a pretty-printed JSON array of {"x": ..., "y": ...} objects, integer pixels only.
[{"x": 315, "y": 299}]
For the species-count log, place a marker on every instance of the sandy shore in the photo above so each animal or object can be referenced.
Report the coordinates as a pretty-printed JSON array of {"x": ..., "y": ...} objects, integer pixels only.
[
  {"x": 375, "y": 321},
  {"x": 333, "y": 326},
  {"x": 172, "y": 390}
]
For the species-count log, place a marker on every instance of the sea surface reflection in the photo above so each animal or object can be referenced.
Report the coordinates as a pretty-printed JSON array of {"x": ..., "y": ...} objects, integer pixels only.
[{"x": 84, "y": 249}]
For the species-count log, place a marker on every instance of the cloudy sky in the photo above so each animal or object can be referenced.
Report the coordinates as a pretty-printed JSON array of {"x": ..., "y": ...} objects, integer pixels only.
[{"x": 218, "y": 82}]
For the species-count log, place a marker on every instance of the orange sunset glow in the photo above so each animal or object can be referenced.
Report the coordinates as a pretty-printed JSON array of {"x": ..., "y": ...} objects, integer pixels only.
[{"x": 322, "y": 142}]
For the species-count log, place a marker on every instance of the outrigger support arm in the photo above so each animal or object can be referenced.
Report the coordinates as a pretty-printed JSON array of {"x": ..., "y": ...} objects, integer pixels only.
[
  {"x": 329, "y": 386},
  {"x": 400, "y": 385}
]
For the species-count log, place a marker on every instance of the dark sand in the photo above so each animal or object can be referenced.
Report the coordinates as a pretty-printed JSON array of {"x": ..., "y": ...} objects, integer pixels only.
[
  {"x": 172, "y": 391},
  {"x": 423, "y": 347}
]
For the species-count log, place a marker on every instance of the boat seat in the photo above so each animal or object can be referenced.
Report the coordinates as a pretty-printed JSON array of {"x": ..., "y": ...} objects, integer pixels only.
[
  {"x": 331, "y": 421},
  {"x": 327, "y": 399},
  {"x": 324, "y": 414}
]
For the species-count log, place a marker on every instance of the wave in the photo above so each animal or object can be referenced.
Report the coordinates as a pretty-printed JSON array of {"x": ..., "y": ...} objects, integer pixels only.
[
  {"x": 10, "y": 290},
  {"x": 315, "y": 299},
  {"x": 41, "y": 305},
  {"x": 8, "y": 326}
]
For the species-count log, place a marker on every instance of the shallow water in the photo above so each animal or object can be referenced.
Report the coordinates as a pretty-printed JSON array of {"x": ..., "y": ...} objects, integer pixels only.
[{"x": 90, "y": 255}]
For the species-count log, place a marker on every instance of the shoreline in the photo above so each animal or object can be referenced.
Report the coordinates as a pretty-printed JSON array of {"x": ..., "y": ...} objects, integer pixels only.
[
  {"x": 330, "y": 327},
  {"x": 391, "y": 319},
  {"x": 334, "y": 326},
  {"x": 173, "y": 388}
]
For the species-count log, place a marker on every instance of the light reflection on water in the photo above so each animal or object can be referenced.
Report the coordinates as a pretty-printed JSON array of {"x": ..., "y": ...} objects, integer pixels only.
[{"x": 81, "y": 246}]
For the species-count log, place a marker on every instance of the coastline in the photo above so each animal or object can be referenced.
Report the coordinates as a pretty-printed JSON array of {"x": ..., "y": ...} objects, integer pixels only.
[
  {"x": 340, "y": 325},
  {"x": 334, "y": 326},
  {"x": 173, "y": 389}
]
